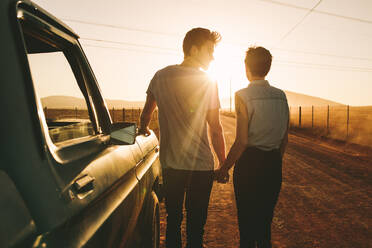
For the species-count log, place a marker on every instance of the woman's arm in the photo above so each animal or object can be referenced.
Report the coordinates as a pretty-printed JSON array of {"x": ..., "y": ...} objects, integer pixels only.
[
  {"x": 284, "y": 142},
  {"x": 241, "y": 139}
]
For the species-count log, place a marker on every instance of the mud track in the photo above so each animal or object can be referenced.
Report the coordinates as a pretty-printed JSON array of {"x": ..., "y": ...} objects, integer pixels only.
[{"x": 325, "y": 200}]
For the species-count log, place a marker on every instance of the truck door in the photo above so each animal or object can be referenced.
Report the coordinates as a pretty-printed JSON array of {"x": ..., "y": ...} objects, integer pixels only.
[
  {"x": 90, "y": 185},
  {"x": 16, "y": 225}
]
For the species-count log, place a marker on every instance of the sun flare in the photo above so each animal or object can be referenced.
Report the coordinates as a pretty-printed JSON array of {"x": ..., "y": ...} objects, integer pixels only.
[
  {"x": 228, "y": 70},
  {"x": 227, "y": 64}
]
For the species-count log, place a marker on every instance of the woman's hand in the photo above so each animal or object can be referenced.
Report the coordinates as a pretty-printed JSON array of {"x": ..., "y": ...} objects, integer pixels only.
[{"x": 222, "y": 175}]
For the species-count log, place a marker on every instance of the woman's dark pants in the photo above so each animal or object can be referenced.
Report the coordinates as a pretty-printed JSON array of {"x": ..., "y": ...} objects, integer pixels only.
[
  {"x": 196, "y": 187},
  {"x": 257, "y": 183}
]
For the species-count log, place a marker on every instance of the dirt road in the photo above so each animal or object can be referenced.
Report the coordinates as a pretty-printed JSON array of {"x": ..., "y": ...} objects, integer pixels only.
[{"x": 325, "y": 200}]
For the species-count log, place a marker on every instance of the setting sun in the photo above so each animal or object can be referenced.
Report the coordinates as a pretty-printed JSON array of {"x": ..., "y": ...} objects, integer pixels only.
[
  {"x": 224, "y": 64},
  {"x": 227, "y": 69}
]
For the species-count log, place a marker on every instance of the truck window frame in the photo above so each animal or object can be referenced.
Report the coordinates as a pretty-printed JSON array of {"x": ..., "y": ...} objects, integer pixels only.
[{"x": 69, "y": 45}]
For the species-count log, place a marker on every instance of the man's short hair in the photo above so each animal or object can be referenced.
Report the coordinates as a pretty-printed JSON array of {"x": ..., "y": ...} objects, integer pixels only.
[
  {"x": 197, "y": 37},
  {"x": 258, "y": 60}
]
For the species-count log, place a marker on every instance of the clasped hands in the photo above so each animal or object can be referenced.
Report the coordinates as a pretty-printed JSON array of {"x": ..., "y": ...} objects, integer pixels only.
[{"x": 221, "y": 175}]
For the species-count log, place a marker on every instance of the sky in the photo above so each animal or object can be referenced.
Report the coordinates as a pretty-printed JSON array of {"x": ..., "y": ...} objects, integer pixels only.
[{"x": 320, "y": 48}]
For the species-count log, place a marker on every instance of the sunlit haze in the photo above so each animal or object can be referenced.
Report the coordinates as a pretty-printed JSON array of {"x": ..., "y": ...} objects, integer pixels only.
[{"x": 324, "y": 52}]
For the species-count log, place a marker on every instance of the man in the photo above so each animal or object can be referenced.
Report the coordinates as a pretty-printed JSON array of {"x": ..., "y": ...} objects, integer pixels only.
[
  {"x": 261, "y": 137},
  {"x": 187, "y": 101}
]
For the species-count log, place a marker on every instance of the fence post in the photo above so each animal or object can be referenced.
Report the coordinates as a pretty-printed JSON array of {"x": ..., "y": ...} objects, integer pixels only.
[
  {"x": 139, "y": 116},
  {"x": 328, "y": 119},
  {"x": 347, "y": 121},
  {"x": 76, "y": 113},
  {"x": 113, "y": 114},
  {"x": 299, "y": 116},
  {"x": 123, "y": 114},
  {"x": 46, "y": 112},
  {"x": 312, "y": 116}
]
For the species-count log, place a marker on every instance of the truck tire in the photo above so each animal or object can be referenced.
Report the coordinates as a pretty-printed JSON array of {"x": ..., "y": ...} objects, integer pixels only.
[{"x": 153, "y": 229}]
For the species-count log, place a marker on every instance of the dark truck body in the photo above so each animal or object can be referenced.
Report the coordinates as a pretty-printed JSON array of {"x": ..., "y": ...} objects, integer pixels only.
[{"x": 98, "y": 190}]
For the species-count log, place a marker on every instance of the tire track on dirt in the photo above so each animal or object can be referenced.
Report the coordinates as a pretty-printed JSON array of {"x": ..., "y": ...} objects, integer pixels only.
[{"x": 325, "y": 199}]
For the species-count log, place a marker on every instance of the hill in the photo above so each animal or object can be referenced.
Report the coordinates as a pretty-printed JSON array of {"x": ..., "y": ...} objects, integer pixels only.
[
  {"x": 297, "y": 99},
  {"x": 294, "y": 99},
  {"x": 57, "y": 102}
]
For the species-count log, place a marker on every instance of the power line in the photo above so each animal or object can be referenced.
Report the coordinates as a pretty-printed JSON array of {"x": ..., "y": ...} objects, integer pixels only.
[
  {"x": 318, "y": 68},
  {"x": 318, "y": 11},
  {"x": 130, "y": 49},
  {"x": 175, "y": 50},
  {"x": 349, "y": 32},
  {"x": 163, "y": 33},
  {"x": 130, "y": 44},
  {"x": 298, "y": 23},
  {"x": 236, "y": 44},
  {"x": 293, "y": 63},
  {"x": 121, "y": 27},
  {"x": 326, "y": 66},
  {"x": 309, "y": 52},
  {"x": 323, "y": 54}
]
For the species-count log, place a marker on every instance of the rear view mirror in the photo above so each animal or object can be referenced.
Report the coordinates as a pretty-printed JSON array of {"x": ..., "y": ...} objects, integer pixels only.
[{"x": 123, "y": 133}]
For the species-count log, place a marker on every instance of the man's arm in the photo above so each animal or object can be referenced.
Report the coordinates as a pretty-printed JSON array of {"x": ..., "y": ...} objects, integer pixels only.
[
  {"x": 241, "y": 139},
  {"x": 215, "y": 131},
  {"x": 146, "y": 114}
]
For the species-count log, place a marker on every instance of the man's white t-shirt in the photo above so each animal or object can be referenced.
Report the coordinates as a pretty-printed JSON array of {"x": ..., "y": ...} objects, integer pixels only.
[{"x": 184, "y": 95}]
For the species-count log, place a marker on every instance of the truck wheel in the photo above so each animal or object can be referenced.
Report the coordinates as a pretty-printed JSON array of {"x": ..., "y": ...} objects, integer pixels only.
[
  {"x": 156, "y": 228},
  {"x": 153, "y": 238}
]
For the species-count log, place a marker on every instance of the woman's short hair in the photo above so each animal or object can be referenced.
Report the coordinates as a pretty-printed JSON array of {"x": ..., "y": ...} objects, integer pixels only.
[
  {"x": 258, "y": 60},
  {"x": 197, "y": 37}
]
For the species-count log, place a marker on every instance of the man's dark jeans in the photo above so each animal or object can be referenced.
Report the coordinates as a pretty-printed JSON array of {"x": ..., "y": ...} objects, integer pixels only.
[
  {"x": 257, "y": 183},
  {"x": 197, "y": 185}
]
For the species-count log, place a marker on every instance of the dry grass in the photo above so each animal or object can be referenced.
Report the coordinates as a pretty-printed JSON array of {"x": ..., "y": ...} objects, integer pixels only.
[{"x": 357, "y": 130}]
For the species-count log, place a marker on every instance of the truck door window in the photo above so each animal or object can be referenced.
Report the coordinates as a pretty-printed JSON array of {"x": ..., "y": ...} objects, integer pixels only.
[
  {"x": 65, "y": 108},
  {"x": 60, "y": 87}
]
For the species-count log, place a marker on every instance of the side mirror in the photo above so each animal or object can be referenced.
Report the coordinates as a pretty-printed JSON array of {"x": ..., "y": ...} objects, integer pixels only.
[{"x": 123, "y": 133}]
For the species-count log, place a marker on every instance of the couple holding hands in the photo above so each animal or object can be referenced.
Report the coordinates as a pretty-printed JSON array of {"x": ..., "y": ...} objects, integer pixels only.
[{"x": 188, "y": 102}]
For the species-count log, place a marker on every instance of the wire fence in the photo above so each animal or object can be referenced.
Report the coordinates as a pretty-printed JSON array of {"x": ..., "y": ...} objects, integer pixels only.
[{"x": 347, "y": 123}]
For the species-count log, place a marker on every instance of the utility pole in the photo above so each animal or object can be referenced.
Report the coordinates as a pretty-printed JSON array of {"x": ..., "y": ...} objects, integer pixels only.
[
  {"x": 230, "y": 96},
  {"x": 347, "y": 121},
  {"x": 327, "y": 119},
  {"x": 312, "y": 116}
]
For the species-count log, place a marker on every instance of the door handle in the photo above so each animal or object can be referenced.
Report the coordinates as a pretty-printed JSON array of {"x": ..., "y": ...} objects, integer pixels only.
[{"x": 84, "y": 184}]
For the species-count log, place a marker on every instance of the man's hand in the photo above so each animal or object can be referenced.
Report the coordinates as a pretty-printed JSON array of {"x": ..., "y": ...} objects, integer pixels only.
[
  {"x": 222, "y": 175},
  {"x": 145, "y": 118},
  {"x": 144, "y": 131},
  {"x": 216, "y": 134}
]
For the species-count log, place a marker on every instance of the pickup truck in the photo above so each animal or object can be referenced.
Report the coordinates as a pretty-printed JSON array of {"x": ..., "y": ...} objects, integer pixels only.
[{"x": 67, "y": 181}]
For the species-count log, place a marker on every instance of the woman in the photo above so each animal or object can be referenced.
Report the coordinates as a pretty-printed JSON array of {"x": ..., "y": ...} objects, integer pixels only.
[{"x": 261, "y": 136}]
